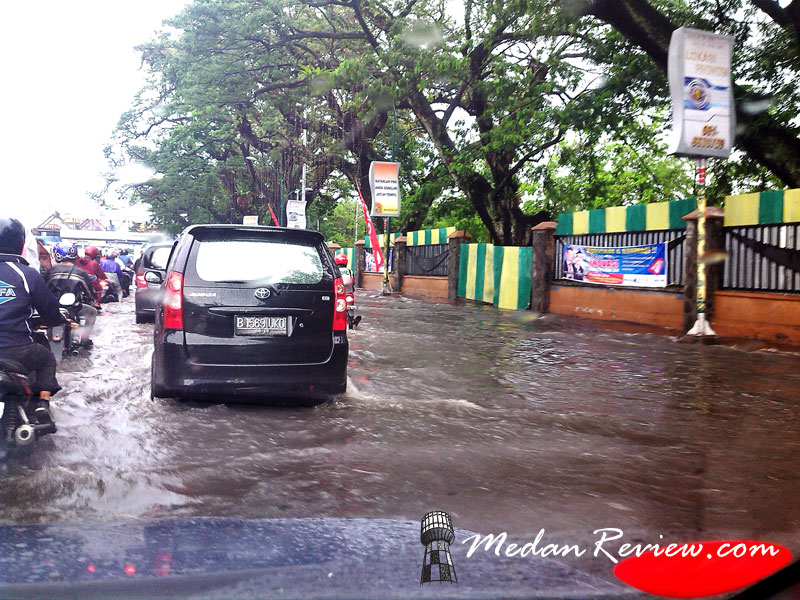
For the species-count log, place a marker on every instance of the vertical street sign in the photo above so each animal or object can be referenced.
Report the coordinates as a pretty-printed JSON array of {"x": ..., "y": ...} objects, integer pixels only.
[
  {"x": 384, "y": 182},
  {"x": 703, "y": 115},
  {"x": 704, "y": 123},
  {"x": 296, "y": 214}
]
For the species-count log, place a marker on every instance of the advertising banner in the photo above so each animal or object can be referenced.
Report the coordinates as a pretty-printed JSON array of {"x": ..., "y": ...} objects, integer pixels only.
[
  {"x": 296, "y": 214},
  {"x": 384, "y": 181},
  {"x": 637, "y": 266},
  {"x": 703, "y": 114}
]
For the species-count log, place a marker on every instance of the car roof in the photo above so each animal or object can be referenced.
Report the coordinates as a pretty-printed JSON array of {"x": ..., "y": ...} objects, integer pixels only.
[{"x": 194, "y": 230}]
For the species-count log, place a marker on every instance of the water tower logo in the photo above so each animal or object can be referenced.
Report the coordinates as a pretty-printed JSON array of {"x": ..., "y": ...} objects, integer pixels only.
[{"x": 436, "y": 535}]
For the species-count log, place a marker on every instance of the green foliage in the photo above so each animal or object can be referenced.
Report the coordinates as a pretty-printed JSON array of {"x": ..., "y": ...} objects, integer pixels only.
[{"x": 523, "y": 106}]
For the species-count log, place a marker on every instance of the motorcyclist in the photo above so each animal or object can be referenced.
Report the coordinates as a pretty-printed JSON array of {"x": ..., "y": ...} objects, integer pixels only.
[
  {"x": 112, "y": 271},
  {"x": 22, "y": 290},
  {"x": 66, "y": 277},
  {"x": 348, "y": 279},
  {"x": 125, "y": 275},
  {"x": 89, "y": 263},
  {"x": 126, "y": 260}
]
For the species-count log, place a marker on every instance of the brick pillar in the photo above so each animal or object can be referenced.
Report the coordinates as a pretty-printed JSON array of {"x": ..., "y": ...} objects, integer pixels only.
[
  {"x": 358, "y": 262},
  {"x": 399, "y": 262},
  {"x": 334, "y": 248},
  {"x": 544, "y": 246},
  {"x": 715, "y": 241},
  {"x": 454, "y": 241}
]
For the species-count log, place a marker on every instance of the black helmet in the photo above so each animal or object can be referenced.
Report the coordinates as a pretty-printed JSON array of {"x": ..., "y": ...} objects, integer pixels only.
[{"x": 12, "y": 236}]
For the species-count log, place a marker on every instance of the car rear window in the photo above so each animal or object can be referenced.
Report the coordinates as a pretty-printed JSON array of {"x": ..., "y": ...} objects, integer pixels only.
[
  {"x": 262, "y": 261},
  {"x": 158, "y": 259}
]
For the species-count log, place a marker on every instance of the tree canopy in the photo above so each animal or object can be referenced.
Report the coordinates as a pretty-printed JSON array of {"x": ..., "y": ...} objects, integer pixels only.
[{"x": 501, "y": 114}]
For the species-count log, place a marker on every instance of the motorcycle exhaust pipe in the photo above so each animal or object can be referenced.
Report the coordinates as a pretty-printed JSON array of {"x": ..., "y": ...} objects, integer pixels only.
[{"x": 24, "y": 435}]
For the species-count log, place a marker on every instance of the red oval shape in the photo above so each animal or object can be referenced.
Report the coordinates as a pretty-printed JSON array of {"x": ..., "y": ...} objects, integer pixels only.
[{"x": 700, "y": 569}]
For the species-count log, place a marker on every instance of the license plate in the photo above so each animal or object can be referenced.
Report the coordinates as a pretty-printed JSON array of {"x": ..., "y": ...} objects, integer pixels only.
[{"x": 260, "y": 325}]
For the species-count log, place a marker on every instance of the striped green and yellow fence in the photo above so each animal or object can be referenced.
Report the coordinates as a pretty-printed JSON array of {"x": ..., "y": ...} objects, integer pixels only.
[
  {"x": 421, "y": 237},
  {"x": 425, "y": 237},
  {"x": 499, "y": 275},
  {"x": 761, "y": 208},
  {"x": 617, "y": 219},
  {"x": 381, "y": 238}
]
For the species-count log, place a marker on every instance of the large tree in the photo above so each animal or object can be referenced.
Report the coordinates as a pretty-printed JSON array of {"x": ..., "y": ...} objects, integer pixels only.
[{"x": 521, "y": 106}]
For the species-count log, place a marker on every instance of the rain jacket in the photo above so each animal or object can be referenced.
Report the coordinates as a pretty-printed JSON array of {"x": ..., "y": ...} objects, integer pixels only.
[{"x": 22, "y": 290}]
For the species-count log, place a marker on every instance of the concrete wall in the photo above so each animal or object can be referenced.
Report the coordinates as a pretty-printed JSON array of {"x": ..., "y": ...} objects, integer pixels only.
[
  {"x": 429, "y": 287},
  {"x": 757, "y": 315},
  {"x": 660, "y": 309},
  {"x": 372, "y": 281}
]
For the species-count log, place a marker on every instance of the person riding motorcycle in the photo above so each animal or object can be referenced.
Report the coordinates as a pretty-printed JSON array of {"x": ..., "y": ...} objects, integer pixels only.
[
  {"x": 89, "y": 263},
  {"x": 67, "y": 277},
  {"x": 22, "y": 290},
  {"x": 126, "y": 274},
  {"x": 126, "y": 260},
  {"x": 112, "y": 271},
  {"x": 348, "y": 279}
]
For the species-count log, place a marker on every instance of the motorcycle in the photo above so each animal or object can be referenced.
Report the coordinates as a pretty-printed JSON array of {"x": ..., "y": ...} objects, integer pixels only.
[
  {"x": 125, "y": 280},
  {"x": 353, "y": 318},
  {"x": 18, "y": 424},
  {"x": 107, "y": 293},
  {"x": 66, "y": 339}
]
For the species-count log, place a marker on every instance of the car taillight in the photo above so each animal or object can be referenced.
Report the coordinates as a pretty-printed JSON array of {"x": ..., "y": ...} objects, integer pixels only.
[
  {"x": 339, "y": 306},
  {"x": 173, "y": 302},
  {"x": 140, "y": 281}
]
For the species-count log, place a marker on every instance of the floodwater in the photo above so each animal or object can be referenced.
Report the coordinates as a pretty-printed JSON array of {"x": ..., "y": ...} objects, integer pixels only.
[{"x": 508, "y": 422}]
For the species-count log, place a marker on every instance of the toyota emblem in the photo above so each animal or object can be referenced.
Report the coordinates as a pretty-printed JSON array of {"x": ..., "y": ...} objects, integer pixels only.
[{"x": 262, "y": 293}]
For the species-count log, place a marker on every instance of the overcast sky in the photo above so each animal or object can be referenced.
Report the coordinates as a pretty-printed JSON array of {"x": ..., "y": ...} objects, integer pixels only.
[{"x": 69, "y": 71}]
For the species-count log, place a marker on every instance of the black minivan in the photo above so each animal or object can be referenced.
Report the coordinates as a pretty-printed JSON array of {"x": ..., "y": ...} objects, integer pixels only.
[{"x": 250, "y": 310}]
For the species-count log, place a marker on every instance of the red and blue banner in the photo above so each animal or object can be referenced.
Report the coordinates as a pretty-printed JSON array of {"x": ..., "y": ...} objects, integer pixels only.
[{"x": 637, "y": 266}]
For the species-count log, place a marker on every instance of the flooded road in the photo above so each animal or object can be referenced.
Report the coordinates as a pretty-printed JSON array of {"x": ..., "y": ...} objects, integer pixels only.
[{"x": 508, "y": 422}]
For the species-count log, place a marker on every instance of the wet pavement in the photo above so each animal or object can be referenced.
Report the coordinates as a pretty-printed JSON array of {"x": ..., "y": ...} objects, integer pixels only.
[{"x": 508, "y": 422}]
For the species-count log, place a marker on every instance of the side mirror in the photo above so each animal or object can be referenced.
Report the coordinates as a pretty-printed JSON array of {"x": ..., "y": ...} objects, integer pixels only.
[
  {"x": 153, "y": 277},
  {"x": 67, "y": 299}
]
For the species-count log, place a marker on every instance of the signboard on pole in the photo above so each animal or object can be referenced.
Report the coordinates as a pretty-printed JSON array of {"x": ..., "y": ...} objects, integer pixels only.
[
  {"x": 635, "y": 266},
  {"x": 384, "y": 181},
  {"x": 704, "y": 117},
  {"x": 296, "y": 214}
]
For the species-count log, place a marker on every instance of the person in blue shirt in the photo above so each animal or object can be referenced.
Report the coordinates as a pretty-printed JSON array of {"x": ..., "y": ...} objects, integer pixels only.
[
  {"x": 123, "y": 256},
  {"x": 113, "y": 273},
  {"x": 22, "y": 290}
]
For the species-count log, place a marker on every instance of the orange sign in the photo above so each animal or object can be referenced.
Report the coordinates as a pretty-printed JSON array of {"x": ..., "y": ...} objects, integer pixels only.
[{"x": 384, "y": 181}]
